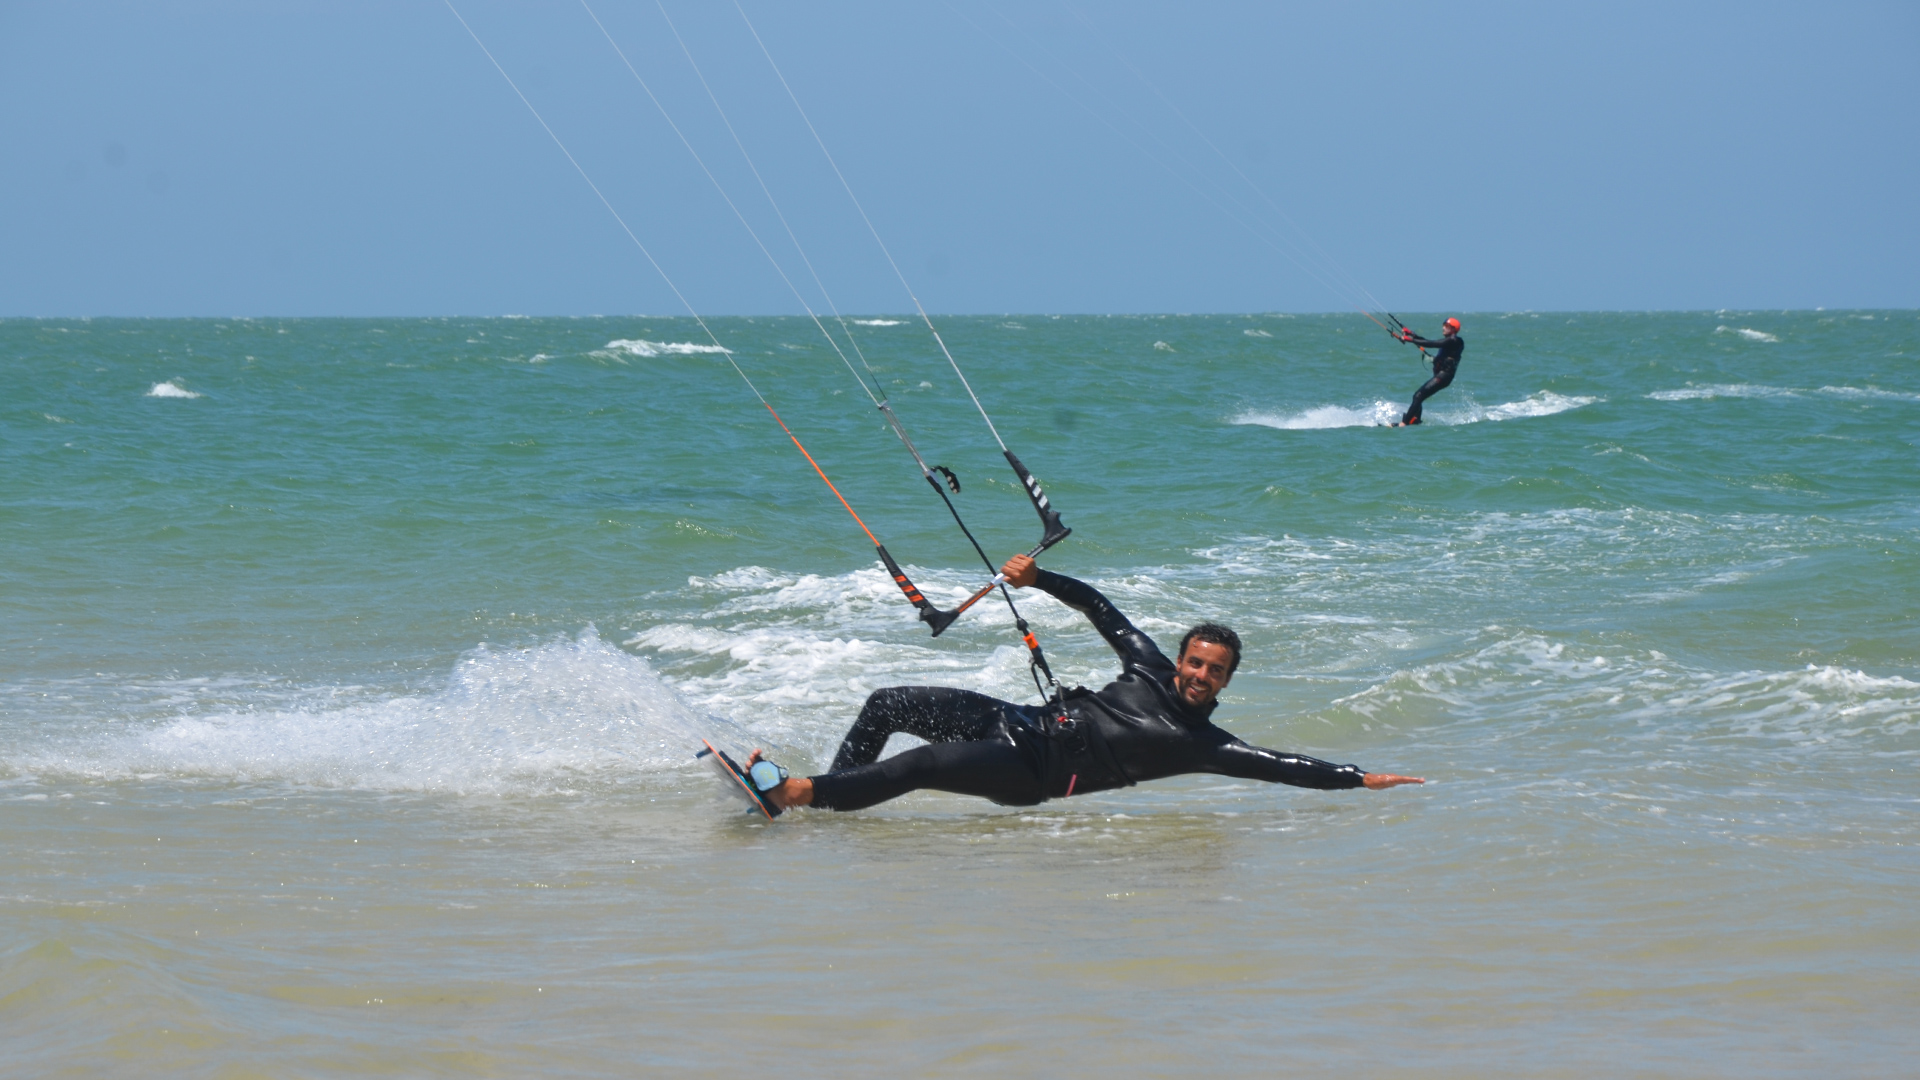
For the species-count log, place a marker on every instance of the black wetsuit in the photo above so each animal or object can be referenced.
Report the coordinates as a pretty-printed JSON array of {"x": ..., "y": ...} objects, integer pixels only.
[
  {"x": 1445, "y": 362},
  {"x": 1132, "y": 729}
]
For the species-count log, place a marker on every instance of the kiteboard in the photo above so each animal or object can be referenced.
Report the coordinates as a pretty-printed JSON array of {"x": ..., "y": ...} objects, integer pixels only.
[{"x": 736, "y": 779}]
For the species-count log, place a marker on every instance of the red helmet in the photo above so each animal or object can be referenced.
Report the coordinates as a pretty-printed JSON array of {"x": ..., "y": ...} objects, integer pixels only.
[{"x": 1453, "y": 325}]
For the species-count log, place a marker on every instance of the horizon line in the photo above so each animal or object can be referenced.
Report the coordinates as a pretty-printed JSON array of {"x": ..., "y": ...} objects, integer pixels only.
[{"x": 913, "y": 317}]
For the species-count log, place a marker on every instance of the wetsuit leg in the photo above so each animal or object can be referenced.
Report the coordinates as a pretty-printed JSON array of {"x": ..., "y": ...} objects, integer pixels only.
[
  {"x": 938, "y": 714},
  {"x": 973, "y": 750},
  {"x": 1441, "y": 379},
  {"x": 994, "y": 769}
]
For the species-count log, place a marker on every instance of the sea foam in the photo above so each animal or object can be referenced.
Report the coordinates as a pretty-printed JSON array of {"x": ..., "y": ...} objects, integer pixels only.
[{"x": 171, "y": 390}]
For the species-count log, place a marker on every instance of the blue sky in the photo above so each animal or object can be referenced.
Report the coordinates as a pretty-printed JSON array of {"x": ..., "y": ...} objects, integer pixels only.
[{"x": 246, "y": 157}]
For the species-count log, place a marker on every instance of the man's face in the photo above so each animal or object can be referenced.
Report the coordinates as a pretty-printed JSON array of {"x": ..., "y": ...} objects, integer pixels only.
[{"x": 1203, "y": 670}]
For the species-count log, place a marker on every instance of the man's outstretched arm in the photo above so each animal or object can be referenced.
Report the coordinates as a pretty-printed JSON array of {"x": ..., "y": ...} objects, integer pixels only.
[
  {"x": 1235, "y": 758},
  {"x": 1133, "y": 645}
]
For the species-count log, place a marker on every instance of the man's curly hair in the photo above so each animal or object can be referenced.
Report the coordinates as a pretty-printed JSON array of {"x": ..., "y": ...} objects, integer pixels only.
[{"x": 1214, "y": 634}]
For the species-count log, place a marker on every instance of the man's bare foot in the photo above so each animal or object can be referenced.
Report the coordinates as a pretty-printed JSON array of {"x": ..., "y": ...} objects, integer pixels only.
[
  {"x": 1380, "y": 781},
  {"x": 793, "y": 791}
]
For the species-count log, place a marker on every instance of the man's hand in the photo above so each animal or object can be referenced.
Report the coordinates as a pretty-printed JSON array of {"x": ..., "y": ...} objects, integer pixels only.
[
  {"x": 1380, "y": 781},
  {"x": 1021, "y": 571},
  {"x": 1406, "y": 334}
]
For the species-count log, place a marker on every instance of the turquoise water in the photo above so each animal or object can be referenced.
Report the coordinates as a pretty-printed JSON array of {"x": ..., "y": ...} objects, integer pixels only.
[{"x": 348, "y": 670}]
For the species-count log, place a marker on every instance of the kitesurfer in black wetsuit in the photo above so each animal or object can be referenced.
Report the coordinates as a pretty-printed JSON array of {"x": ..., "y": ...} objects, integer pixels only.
[
  {"x": 1151, "y": 722},
  {"x": 1446, "y": 359}
]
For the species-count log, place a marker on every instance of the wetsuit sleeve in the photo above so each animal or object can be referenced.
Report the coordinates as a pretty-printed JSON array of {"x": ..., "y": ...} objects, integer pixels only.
[
  {"x": 1231, "y": 757},
  {"x": 1133, "y": 645},
  {"x": 1423, "y": 342}
]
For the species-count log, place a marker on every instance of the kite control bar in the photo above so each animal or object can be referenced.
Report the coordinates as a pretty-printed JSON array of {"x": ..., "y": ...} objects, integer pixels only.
[
  {"x": 1403, "y": 330},
  {"x": 1001, "y": 579},
  {"x": 1054, "y": 532}
]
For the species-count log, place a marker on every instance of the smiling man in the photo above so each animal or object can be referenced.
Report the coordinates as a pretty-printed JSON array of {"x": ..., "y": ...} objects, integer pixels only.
[{"x": 1153, "y": 721}]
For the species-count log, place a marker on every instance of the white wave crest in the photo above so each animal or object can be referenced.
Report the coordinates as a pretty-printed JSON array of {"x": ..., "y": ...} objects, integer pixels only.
[
  {"x": 532, "y": 719},
  {"x": 1321, "y": 417},
  {"x": 1541, "y": 403},
  {"x": 1750, "y": 335},
  {"x": 171, "y": 389},
  {"x": 1728, "y": 390},
  {"x": 636, "y": 347},
  {"x": 1648, "y": 690},
  {"x": 1381, "y": 413},
  {"x": 878, "y": 322},
  {"x": 1256, "y": 333},
  {"x": 1868, "y": 392},
  {"x": 1749, "y": 390}
]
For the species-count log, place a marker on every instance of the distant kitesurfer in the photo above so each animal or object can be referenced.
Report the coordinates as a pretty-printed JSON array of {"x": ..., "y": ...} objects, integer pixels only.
[
  {"x": 1446, "y": 359},
  {"x": 1153, "y": 721}
]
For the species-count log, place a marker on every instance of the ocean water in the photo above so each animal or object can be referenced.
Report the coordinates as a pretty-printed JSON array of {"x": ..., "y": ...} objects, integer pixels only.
[{"x": 349, "y": 671}]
